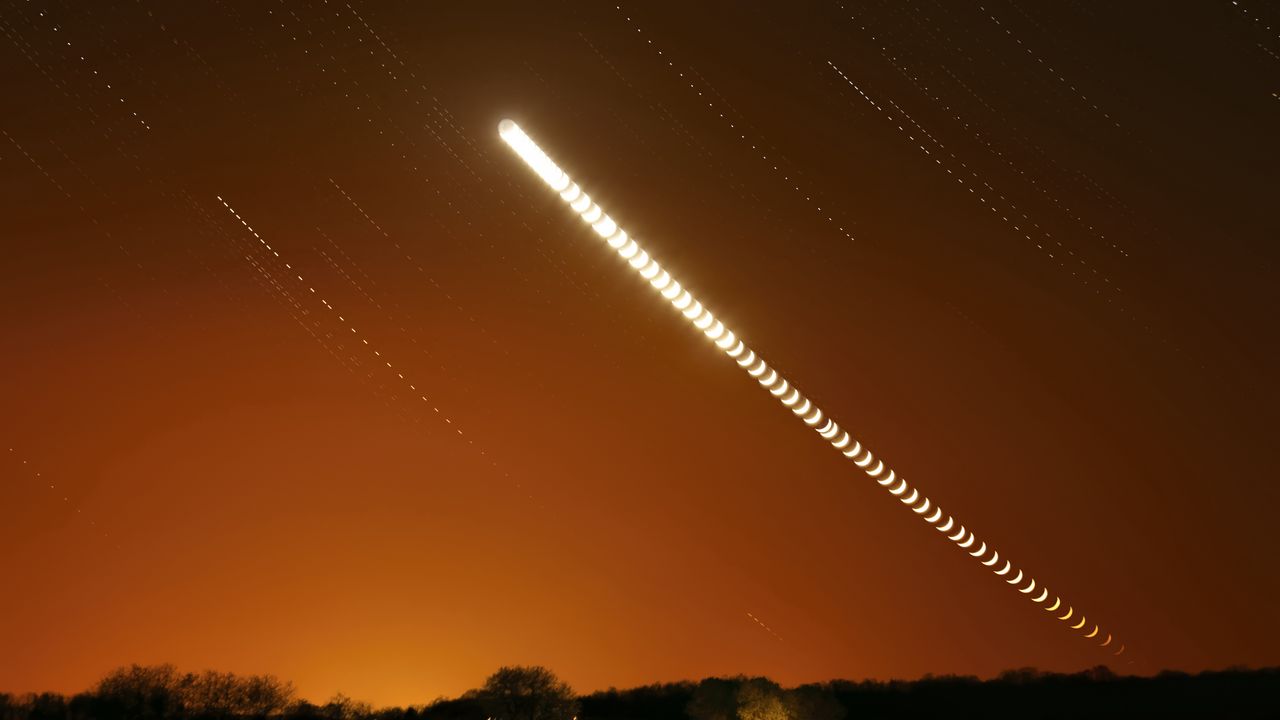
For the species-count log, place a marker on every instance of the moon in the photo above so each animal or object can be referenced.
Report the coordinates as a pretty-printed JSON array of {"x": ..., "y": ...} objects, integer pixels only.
[{"x": 702, "y": 318}]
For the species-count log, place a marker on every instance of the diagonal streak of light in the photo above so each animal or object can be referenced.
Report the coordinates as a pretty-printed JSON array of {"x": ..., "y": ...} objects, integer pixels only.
[{"x": 791, "y": 398}]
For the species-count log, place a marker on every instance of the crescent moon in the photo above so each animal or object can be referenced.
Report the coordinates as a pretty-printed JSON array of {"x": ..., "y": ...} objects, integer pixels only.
[
  {"x": 640, "y": 260},
  {"x": 1044, "y": 595},
  {"x": 995, "y": 558},
  {"x": 1120, "y": 650},
  {"x": 937, "y": 515},
  {"x": 1080, "y": 624},
  {"x": 571, "y": 193},
  {"x": 960, "y": 536},
  {"x": 854, "y": 451},
  {"x": 969, "y": 542},
  {"x": 843, "y": 442},
  {"x": 779, "y": 386},
  {"x": 879, "y": 468},
  {"x": 581, "y": 204},
  {"x": 828, "y": 427},
  {"x": 768, "y": 381},
  {"x": 704, "y": 320},
  {"x": 1106, "y": 642},
  {"x": 804, "y": 407},
  {"x": 817, "y": 418},
  {"x": 864, "y": 461},
  {"x": 915, "y": 495},
  {"x": 737, "y": 349},
  {"x": 758, "y": 370},
  {"x": 1030, "y": 588},
  {"x": 981, "y": 551},
  {"x": 1005, "y": 570},
  {"x": 671, "y": 291},
  {"x": 924, "y": 508},
  {"x": 793, "y": 398},
  {"x": 694, "y": 310},
  {"x": 662, "y": 281},
  {"x": 1057, "y": 603},
  {"x": 1016, "y": 580},
  {"x": 716, "y": 332},
  {"x": 1068, "y": 615},
  {"x": 1095, "y": 632},
  {"x": 946, "y": 527}
]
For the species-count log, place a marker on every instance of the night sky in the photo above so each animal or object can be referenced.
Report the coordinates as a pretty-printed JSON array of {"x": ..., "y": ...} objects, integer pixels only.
[{"x": 1024, "y": 251}]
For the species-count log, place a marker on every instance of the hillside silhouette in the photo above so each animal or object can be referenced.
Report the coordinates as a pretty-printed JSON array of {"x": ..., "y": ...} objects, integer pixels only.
[{"x": 161, "y": 692}]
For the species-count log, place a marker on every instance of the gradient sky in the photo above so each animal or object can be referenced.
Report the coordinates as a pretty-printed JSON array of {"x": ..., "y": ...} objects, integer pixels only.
[{"x": 201, "y": 464}]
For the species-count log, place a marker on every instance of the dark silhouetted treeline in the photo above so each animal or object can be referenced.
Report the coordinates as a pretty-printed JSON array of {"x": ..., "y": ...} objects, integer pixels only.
[{"x": 534, "y": 693}]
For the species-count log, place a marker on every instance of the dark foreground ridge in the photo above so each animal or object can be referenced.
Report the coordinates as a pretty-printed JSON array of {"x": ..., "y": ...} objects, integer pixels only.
[{"x": 534, "y": 693}]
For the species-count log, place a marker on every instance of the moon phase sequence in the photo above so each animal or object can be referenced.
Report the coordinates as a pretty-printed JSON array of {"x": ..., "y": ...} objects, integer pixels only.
[{"x": 780, "y": 388}]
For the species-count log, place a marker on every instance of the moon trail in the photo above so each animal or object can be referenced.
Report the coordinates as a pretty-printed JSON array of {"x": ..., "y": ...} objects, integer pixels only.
[{"x": 768, "y": 377}]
